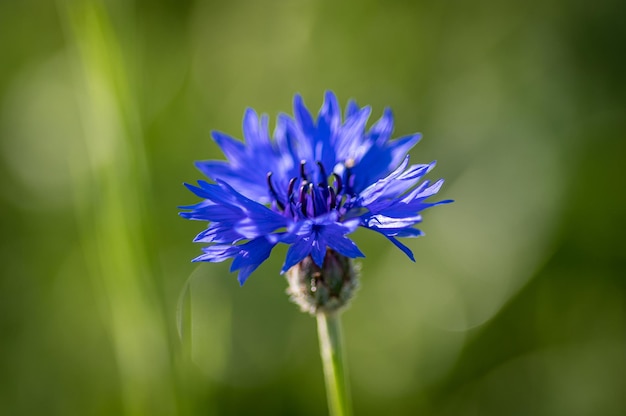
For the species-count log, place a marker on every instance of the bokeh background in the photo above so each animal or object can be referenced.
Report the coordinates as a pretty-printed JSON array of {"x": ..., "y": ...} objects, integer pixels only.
[{"x": 515, "y": 306}]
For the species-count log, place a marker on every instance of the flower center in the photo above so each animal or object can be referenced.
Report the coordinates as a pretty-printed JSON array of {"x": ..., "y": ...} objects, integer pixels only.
[{"x": 305, "y": 199}]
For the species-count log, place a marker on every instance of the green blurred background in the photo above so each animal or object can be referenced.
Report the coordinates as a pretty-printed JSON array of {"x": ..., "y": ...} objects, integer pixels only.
[{"x": 516, "y": 305}]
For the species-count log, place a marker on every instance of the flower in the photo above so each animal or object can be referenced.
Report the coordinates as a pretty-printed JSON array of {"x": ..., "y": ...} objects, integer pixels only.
[{"x": 309, "y": 186}]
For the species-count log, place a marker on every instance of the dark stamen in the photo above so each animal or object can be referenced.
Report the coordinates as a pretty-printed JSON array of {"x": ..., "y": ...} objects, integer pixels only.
[
  {"x": 302, "y": 172},
  {"x": 280, "y": 205},
  {"x": 311, "y": 192},
  {"x": 324, "y": 181},
  {"x": 333, "y": 197},
  {"x": 303, "y": 199},
  {"x": 268, "y": 177},
  {"x": 339, "y": 185},
  {"x": 349, "y": 180},
  {"x": 292, "y": 184}
]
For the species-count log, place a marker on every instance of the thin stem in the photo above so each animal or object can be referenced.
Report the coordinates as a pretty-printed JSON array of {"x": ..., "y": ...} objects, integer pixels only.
[{"x": 333, "y": 360}]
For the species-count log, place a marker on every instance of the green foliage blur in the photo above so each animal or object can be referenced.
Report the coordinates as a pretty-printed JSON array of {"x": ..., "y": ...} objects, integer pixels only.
[{"x": 515, "y": 306}]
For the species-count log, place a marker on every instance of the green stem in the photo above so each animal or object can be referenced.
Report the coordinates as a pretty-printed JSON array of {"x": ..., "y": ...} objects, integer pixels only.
[{"x": 333, "y": 360}]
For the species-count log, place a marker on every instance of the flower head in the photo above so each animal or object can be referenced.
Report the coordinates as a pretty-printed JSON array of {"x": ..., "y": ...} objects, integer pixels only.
[{"x": 309, "y": 186}]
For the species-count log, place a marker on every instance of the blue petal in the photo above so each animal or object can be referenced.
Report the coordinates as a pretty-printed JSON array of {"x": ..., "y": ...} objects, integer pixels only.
[
  {"x": 284, "y": 138},
  {"x": 402, "y": 247},
  {"x": 345, "y": 246},
  {"x": 350, "y": 225},
  {"x": 408, "y": 233},
  {"x": 378, "y": 189},
  {"x": 253, "y": 209},
  {"x": 381, "y": 130},
  {"x": 216, "y": 233},
  {"x": 215, "y": 168},
  {"x": 250, "y": 228},
  {"x": 198, "y": 191},
  {"x": 329, "y": 117},
  {"x": 217, "y": 253},
  {"x": 302, "y": 116},
  {"x": 378, "y": 162},
  {"x": 318, "y": 251},
  {"x": 398, "y": 148},
  {"x": 252, "y": 188},
  {"x": 401, "y": 210},
  {"x": 351, "y": 109},
  {"x": 299, "y": 141},
  {"x": 424, "y": 192},
  {"x": 255, "y": 134},
  {"x": 219, "y": 213},
  {"x": 381, "y": 221},
  {"x": 303, "y": 228},
  {"x": 297, "y": 252},
  {"x": 234, "y": 150},
  {"x": 350, "y": 141},
  {"x": 336, "y": 239},
  {"x": 405, "y": 181},
  {"x": 245, "y": 272},
  {"x": 200, "y": 204},
  {"x": 253, "y": 252}
]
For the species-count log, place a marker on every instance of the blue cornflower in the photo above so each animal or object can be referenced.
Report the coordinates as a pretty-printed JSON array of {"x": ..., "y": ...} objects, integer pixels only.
[{"x": 309, "y": 186}]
